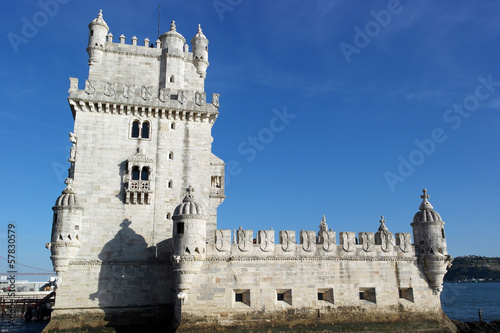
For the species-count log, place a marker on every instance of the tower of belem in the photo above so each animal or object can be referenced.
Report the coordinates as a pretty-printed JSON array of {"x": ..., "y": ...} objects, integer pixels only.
[{"x": 135, "y": 242}]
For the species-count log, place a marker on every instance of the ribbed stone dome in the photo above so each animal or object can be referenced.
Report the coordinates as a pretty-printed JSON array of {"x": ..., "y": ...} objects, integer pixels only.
[
  {"x": 188, "y": 206},
  {"x": 426, "y": 213},
  {"x": 67, "y": 198}
]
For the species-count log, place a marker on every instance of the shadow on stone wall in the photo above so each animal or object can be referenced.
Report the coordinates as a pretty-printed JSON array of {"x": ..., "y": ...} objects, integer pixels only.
[{"x": 135, "y": 283}]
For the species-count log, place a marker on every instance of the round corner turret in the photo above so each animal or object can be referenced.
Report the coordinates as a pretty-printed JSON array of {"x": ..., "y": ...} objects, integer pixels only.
[
  {"x": 430, "y": 243},
  {"x": 98, "y": 30},
  {"x": 172, "y": 42},
  {"x": 200, "y": 52},
  {"x": 66, "y": 228}
]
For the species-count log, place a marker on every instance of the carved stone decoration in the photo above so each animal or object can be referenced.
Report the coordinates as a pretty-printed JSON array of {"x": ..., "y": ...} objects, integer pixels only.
[
  {"x": 73, "y": 84},
  {"x": 200, "y": 98},
  {"x": 327, "y": 239},
  {"x": 266, "y": 240},
  {"x": 181, "y": 96},
  {"x": 387, "y": 240},
  {"x": 164, "y": 94},
  {"x": 146, "y": 92},
  {"x": 308, "y": 240},
  {"x": 72, "y": 151},
  {"x": 348, "y": 241},
  {"x": 383, "y": 236},
  {"x": 367, "y": 240},
  {"x": 223, "y": 240},
  {"x": 215, "y": 100},
  {"x": 403, "y": 239},
  {"x": 287, "y": 240},
  {"x": 110, "y": 88},
  {"x": 244, "y": 238},
  {"x": 128, "y": 90},
  {"x": 89, "y": 87}
]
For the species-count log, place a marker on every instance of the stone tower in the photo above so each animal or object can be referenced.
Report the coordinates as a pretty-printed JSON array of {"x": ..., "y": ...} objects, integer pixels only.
[
  {"x": 142, "y": 135},
  {"x": 430, "y": 243}
]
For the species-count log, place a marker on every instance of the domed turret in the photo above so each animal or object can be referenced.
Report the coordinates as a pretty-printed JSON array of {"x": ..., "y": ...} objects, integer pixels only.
[
  {"x": 190, "y": 228},
  {"x": 428, "y": 229},
  {"x": 98, "y": 29},
  {"x": 172, "y": 41},
  {"x": 66, "y": 229},
  {"x": 200, "y": 52},
  {"x": 430, "y": 243}
]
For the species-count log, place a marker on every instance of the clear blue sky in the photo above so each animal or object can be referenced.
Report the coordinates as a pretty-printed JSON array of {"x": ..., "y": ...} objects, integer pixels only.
[{"x": 382, "y": 98}]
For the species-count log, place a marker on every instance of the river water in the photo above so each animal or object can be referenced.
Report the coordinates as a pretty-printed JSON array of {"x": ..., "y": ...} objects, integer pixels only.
[{"x": 460, "y": 301}]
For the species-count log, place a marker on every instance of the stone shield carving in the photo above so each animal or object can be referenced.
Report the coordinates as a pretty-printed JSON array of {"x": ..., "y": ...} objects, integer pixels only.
[
  {"x": 266, "y": 240},
  {"x": 367, "y": 240},
  {"x": 403, "y": 239},
  {"x": 348, "y": 241},
  {"x": 327, "y": 239},
  {"x": 308, "y": 240},
  {"x": 223, "y": 240},
  {"x": 287, "y": 240},
  {"x": 244, "y": 239}
]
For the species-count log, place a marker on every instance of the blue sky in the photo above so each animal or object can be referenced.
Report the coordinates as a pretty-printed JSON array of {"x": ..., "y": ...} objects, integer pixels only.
[{"x": 342, "y": 108}]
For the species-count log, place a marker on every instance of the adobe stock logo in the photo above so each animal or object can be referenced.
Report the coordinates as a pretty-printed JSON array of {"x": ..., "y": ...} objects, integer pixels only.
[
  {"x": 30, "y": 27},
  {"x": 251, "y": 147},
  {"x": 454, "y": 117},
  {"x": 373, "y": 28}
]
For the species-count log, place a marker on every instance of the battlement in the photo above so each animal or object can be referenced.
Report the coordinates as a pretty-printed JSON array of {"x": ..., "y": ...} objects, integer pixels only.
[
  {"x": 244, "y": 243},
  {"x": 131, "y": 99}
]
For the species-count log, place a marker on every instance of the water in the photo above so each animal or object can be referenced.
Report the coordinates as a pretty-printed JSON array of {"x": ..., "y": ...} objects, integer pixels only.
[
  {"x": 460, "y": 301},
  {"x": 22, "y": 326}
]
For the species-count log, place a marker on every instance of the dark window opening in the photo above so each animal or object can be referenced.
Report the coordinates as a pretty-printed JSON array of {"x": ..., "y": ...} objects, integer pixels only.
[
  {"x": 442, "y": 232},
  {"x": 180, "y": 228},
  {"x": 145, "y": 130},
  {"x": 135, "y": 173},
  {"x": 171, "y": 156},
  {"x": 280, "y": 296},
  {"x": 169, "y": 185},
  {"x": 91, "y": 32},
  {"x": 320, "y": 296},
  {"x": 135, "y": 129},
  {"x": 361, "y": 295},
  {"x": 145, "y": 174},
  {"x": 172, "y": 126},
  {"x": 172, "y": 79},
  {"x": 238, "y": 297}
]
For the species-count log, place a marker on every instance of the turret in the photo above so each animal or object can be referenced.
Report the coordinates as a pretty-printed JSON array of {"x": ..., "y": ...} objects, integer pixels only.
[
  {"x": 172, "y": 42},
  {"x": 200, "y": 52},
  {"x": 430, "y": 243},
  {"x": 66, "y": 228},
  {"x": 190, "y": 228},
  {"x": 98, "y": 29}
]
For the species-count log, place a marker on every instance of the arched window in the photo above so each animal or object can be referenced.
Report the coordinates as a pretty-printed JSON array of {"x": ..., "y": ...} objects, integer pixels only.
[
  {"x": 135, "y": 129},
  {"x": 145, "y": 173},
  {"x": 145, "y": 130},
  {"x": 135, "y": 173}
]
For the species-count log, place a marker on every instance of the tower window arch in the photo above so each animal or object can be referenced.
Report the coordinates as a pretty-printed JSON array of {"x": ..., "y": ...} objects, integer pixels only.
[
  {"x": 140, "y": 129},
  {"x": 135, "y": 129},
  {"x": 145, "y": 173},
  {"x": 135, "y": 173}
]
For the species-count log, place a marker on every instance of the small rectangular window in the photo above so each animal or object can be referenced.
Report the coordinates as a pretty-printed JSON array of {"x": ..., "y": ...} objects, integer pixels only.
[
  {"x": 180, "y": 228},
  {"x": 284, "y": 295},
  {"x": 406, "y": 293},
  {"x": 241, "y": 297},
  {"x": 321, "y": 296},
  {"x": 367, "y": 294}
]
